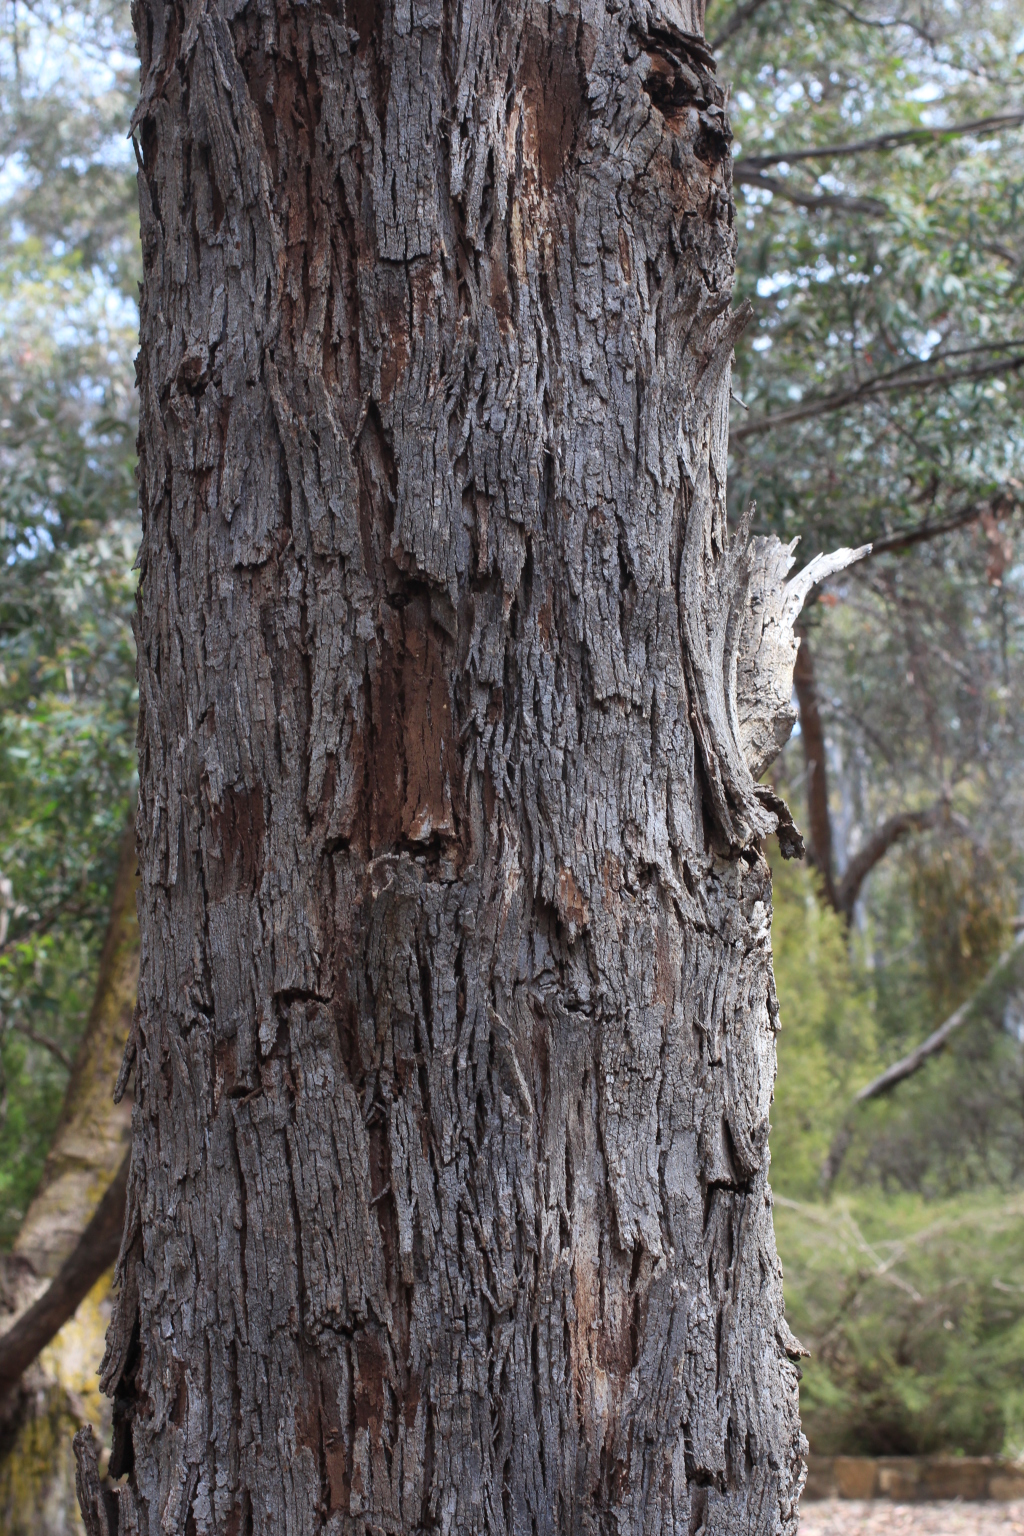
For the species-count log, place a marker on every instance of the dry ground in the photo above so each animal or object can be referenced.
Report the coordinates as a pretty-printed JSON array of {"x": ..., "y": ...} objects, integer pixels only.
[{"x": 851, "y": 1517}]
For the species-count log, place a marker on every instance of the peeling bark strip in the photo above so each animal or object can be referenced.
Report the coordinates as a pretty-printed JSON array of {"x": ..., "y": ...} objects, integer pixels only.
[{"x": 455, "y": 1041}]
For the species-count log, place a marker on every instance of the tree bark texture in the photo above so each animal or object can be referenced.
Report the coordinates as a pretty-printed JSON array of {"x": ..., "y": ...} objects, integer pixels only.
[{"x": 456, "y": 1033}]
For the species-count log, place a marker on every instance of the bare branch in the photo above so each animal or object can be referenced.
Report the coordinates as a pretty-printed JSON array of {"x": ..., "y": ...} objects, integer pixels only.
[
  {"x": 815, "y": 201},
  {"x": 915, "y": 1059},
  {"x": 883, "y": 24},
  {"x": 1002, "y": 973},
  {"x": 900, "y": 381},
  {"x": 920, "y": 533},
  {"x": 881, "y": 143},
  {"x": 37, "y": 1039},
  {"x": 737, "y": 21}
]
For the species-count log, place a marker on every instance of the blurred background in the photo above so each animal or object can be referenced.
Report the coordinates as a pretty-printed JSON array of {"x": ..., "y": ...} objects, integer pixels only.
[{"x": 879, "y": 171}]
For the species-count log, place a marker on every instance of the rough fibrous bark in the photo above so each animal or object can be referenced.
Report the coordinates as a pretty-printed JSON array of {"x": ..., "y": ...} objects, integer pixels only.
[{"x": 456, "y": 1035}]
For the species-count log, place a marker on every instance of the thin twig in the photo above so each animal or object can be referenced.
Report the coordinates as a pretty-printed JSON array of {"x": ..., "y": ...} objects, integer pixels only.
[
  {"x": 881, "y": 143},
  {"x": 41, "y": 924},
  {"x": 896, "y": 382},
  {"x": 44, "y": 1041},
  {"x": 834, "y": 201}
]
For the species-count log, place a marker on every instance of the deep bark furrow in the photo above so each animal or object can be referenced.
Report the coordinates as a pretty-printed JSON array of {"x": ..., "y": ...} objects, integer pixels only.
[{"x": 456, "y": 1031}]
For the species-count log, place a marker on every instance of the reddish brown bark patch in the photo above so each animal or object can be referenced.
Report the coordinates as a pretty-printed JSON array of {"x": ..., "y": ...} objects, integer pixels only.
[
  {"x": 235, "y": 845},
  {"x": 552, "y": 99}
]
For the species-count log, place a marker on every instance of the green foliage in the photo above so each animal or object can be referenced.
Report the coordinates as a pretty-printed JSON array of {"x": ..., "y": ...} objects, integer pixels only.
[
  {"x": 914, "y": 1314},
  {"x": 962, "y": 912},
  {"x": 895, "y": 265},
  {"x": 916, "y": 257},
  {"x": 826, "y": 1044},
  {"x": 910, "y": 1302},
  {"x": 67, "y": 714},
  {"x": 901, "y": 263},
  {"x": 68, "y": 536}
]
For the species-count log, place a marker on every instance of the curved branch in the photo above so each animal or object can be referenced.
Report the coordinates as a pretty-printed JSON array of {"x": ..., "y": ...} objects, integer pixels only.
[
  {"x": 737, "y": 21},
  {"x": 94, "y": 1253},
  {"x": 47, "y": 1044},
  {"x": 877, "y": 846}
]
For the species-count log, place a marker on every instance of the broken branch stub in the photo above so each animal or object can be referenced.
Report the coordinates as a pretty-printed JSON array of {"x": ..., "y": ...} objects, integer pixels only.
[{"x": 741, "y": 613}]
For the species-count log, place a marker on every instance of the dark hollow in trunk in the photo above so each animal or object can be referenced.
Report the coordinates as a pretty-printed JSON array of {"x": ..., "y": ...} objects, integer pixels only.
[{"x": 456, "y": 1034}]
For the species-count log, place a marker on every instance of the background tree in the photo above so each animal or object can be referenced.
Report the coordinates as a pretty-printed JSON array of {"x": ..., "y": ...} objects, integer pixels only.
[
  {"x": 882, "y": 394},
  {"x": 68, "y": 323},
  {"x": 880, "y": 151},
  {"x": 880, "y": 245},
  {"x": 68, "y": 274},
  {"x": 65, "y": 1249}
]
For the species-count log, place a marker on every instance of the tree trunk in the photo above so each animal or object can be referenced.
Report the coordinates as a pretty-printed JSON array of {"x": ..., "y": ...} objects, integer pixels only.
[
  {"x": 455, "y": 1043},
  {"x": 812, "y": 735}
]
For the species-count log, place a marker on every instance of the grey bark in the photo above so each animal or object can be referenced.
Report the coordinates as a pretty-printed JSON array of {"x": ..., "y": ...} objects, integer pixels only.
[{"x": 456, "y": 1033}]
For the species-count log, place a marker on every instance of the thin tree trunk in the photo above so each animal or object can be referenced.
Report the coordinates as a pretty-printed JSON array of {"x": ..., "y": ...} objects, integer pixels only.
[
  {"x": 812, "y": 736},
  {"x": 93, "y": 1133},
  {"x": 456, "y": 1035},
  {"x": 67, "y": 1240}
]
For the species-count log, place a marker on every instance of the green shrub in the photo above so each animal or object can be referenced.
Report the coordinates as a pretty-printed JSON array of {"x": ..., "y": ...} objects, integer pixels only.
[
  {"x": 826, "y": 1045},
  {"x": 912, "y": 1307},
  {"x": 914, "y": 1315}
]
